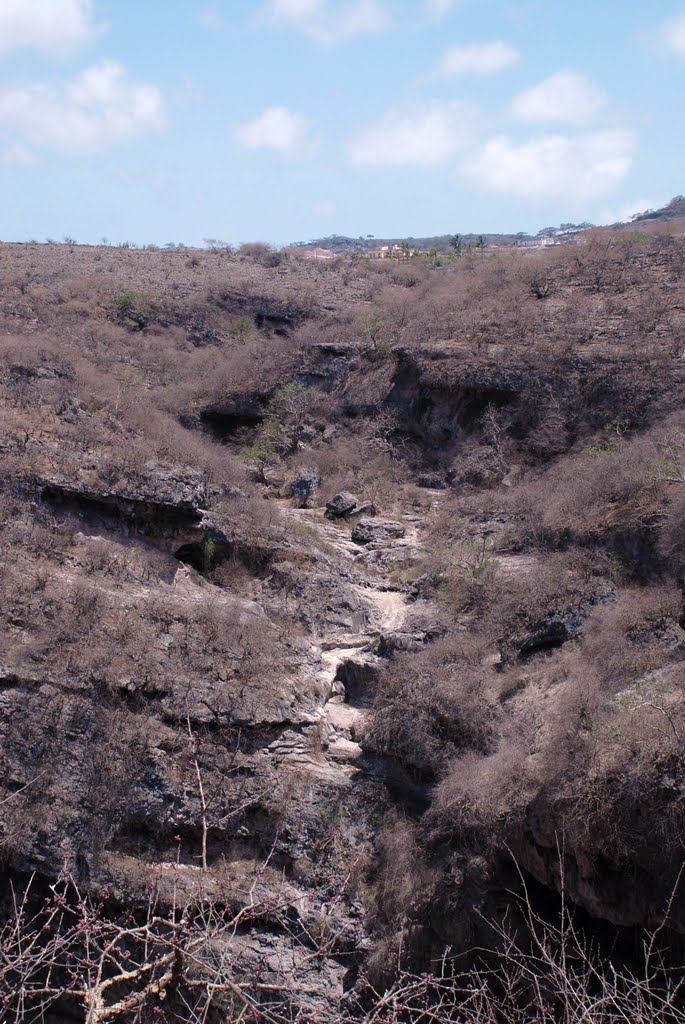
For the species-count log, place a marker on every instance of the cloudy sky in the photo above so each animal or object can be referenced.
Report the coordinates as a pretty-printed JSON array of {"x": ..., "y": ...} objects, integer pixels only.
[{"x": 177, "y": 120}]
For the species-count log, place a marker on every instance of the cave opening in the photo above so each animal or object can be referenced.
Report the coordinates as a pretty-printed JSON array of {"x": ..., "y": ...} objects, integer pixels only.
[
  {"x": 623, "y": 944},
  {"x": 475, "y": 402},
  {"x": 225, "y": 425},
  {"x": 359, "y": 679}
]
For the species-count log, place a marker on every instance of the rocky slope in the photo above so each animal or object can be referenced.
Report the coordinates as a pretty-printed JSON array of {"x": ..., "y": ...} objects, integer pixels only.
[
  {"x": 109, "y": 762},
  {"x": 348, "y": 603}
]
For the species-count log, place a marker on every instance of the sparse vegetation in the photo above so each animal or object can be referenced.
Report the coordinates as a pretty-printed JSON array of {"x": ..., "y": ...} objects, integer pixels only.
[{"x": 191, "y": 649}]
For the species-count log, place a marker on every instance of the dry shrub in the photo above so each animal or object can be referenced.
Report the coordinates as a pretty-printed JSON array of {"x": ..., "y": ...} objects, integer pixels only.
[
  {"x": 398, "y": 893},
  {"x": 672, "y": 537},
  {"x": 429, "y": 707},
  {"x": 409, "y": 276},
  {"x": 360, "y": 459},
  {"x": 481, "y": 801},
  {"x": 637, "y": 636},
  {"x": 263, "y": 253},
  {"x": 587, "y": 746},
  {"x": 603, "y": 493}
]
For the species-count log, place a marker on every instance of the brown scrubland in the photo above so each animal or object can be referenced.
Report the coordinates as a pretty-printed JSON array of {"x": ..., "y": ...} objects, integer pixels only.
[{"x": 420, "y": 761}]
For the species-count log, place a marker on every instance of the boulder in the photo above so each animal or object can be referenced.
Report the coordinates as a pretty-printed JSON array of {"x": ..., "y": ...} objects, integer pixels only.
[
  {"x": 367, "y": 508},
  {"x": 559, "y": 625},
  {"x": 341, "y": 505},
  {"x": 368, "y": 530},
  {"x": 305, "y": 484}
]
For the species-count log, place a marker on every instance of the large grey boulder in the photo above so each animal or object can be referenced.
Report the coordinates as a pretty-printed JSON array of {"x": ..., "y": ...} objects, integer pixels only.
[
  {"x": 305, "y": 484},
  {"x": 341, "y": 505},
  {"x": 368, "y": 530},
  {"x": 559, "y": 624}
]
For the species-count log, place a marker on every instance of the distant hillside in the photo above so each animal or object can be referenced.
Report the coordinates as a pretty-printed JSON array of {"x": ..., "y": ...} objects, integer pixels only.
[
  {"x": 675, "y": 208},
  {"x": 344, "y": 245}
]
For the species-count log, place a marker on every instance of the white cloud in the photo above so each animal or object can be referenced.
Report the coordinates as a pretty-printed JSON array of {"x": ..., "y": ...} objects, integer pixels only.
[
  {"x": 19, "y": 154},
  {"x": 672, "y": 34},
  {"x": 439, "y": 8},
  {"x": 553, "y": 167},
  {"x": 54, "y": 26},
  {"x": 330, "y": 21},
  {"x": 277, "y": 128},
  {"x": 566, "y": 96},
  {"x": 419, "y": 135},
  {"x": 627, "y": 211},
  {"x": 479, "y": 59},
  {"x": 98, "y": 109}
]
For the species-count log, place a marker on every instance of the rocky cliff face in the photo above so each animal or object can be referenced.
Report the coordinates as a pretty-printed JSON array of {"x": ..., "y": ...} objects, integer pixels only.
[{"x": 266, "y": 696}]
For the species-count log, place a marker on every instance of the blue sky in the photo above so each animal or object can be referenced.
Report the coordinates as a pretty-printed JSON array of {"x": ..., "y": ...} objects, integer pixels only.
[{"x": 283, "y": 120}]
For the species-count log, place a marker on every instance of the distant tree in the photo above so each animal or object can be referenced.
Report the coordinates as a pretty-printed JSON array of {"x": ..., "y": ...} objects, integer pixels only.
[
  {"x": 134, "y": 310},
  {"x": 217, "y": 245},
  {"x": 457, "y": 243},
  {"x": 263, "y": 453},
  {"x": 576, "y": 227},
  {"x": 290, "y": 407}
]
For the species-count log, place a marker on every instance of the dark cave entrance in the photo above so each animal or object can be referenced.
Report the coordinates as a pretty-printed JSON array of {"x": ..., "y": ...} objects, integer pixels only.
[{"x": 230, "y": 425}]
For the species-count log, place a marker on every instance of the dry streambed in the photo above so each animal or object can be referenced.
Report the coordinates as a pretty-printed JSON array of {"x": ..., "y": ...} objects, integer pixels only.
[{"x": 349, "y": 661}]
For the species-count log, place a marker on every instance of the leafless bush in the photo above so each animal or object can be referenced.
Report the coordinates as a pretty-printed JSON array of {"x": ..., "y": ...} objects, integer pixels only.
[{"x": 429, "y": 708}]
